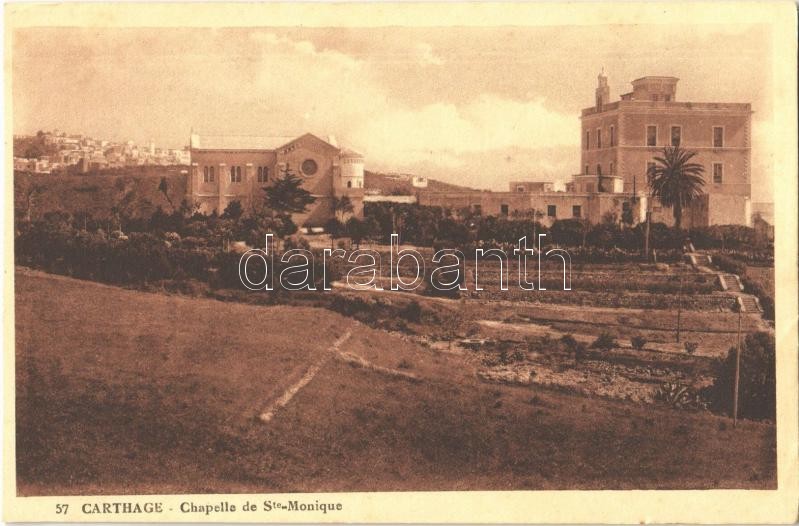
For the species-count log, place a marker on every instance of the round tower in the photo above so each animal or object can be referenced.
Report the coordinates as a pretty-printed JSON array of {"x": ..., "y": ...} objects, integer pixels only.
[{"x": 350, "y": 169}]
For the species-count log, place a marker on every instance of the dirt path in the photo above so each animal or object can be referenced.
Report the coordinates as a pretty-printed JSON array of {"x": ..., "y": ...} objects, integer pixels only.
[{"x": 269, "y": 413}]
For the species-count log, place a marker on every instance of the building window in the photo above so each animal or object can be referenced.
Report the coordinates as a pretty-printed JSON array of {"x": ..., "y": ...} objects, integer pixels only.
[
  {"x": 612, "y": 136},
  {"x": 210, "y": 174},
  {"x": 205, "y": 174},
  {"x": 586, "y": 169},
  {"x": 718, "y": 173},
  {"x": 587, "y": 139},
  {"x": 349, "y": 184},
  {"x": 520, "y": 189},
  {"x": 612, "y": 168},
  {"x": 552, "y": 211},
  {"x": 235, "y": 174},
  {"x": 577, "y": 211},
  {"x": 598, "y": 138},
  {"x": 651, "y": 135},
  {"x": 309, "y": 167},
  {"x": 263, "y": 174},
  {"x": 718, "y": 137},
  {"x": 589, "y": 187},
  {"x": 676, "y": 135},
  {"x": 599, "y": 169},
  {"x": 503, "y": 209}
]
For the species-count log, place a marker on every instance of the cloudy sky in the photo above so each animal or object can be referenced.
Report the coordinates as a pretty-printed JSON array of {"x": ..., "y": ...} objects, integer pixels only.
[{"x": 476, "y": 106}]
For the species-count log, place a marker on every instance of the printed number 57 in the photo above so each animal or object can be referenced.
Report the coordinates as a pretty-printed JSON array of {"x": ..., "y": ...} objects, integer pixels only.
[{"x": 61, "y": 509}]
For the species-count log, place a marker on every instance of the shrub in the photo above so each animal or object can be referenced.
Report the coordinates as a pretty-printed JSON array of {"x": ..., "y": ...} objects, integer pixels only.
[
  {"x": 567, "y": 232},
  {"x": 766, "y": 301},
  {"x": 568, "y": 341},
  {"x": 691, "y": 347},
  {"x": 757, "y": 387},
  {"x": 604, "y": 342},
  {"x": 412, "y": 312},
  {"x": 727, "y": 264},
  {"x": 577, "y": 349},
  {"x": 404, "y": 364},
  {"x": 638, "y": 342}
]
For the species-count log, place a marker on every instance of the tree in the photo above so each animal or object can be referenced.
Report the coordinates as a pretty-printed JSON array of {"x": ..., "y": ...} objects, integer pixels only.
[
  {"x": 233, "y": 210},
  {"x": 569, "y": 232},
  {"x": 163, "y": 187},
  {"x": 34, "y": 151},
  {"x": 286, "y": 196},
  {"x": 31, "y": 193},
  {"x": 357, "y": 230},
  {"x": 341, "y": 207},
  {"x": 757, "y": 388},
  {"x": 675, "y": 180},
  {"x": 123, "y": 202},
  {"x": 335, "y": 228}
]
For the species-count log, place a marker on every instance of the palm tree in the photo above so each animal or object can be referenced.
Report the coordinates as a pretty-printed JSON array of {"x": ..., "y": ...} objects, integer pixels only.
[
  {"x": 675, "y": 180},
  {"x": 341, "y": 207}
]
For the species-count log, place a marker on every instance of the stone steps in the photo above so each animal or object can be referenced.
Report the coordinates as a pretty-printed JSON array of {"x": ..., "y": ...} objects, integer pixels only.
[
  {"x": 702, "y": 260},
  {"x": 749, "y": 303},
  {"x": 731, "y": 282}
]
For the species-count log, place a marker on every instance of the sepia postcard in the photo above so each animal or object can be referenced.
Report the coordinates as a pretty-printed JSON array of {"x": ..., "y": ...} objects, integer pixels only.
[{"x": 401, "y": 262}]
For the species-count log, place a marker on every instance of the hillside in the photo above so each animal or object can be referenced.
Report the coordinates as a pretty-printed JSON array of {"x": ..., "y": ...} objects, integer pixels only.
[
  {"x": 400, "y": 185},
  {"x": 96, "y": 194},
  {"x": 133, "y": 392}
]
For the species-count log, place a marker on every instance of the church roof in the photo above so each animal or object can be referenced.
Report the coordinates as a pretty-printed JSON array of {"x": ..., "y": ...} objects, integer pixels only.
[{"x": 239, "y": 142}]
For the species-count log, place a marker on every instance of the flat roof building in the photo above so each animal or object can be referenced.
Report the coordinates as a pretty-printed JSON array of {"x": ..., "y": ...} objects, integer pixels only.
[{"x": 621, "y": 138}]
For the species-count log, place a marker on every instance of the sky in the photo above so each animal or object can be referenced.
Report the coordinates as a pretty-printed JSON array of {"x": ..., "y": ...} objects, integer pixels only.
[{"x": 466, "y": 105}]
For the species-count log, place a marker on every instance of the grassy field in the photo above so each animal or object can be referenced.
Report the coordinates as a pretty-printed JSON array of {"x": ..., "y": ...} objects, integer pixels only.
[{"x": 122, "y": 392}]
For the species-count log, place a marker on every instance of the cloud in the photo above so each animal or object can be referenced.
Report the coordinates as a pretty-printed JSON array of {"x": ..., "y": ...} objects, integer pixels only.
[
  {"x": 489, "y": 122},
  {"x": 330, "y": 92},
  {"x": 296, "y": 87},
  {"x": 458, "y": 104}
]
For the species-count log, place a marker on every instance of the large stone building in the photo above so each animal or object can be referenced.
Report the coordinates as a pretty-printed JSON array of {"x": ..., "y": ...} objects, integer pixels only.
[
  {"x": 547, "y": 202},
  {"x": 236, "y": 168},
  {"x": 621, "y": 138}
]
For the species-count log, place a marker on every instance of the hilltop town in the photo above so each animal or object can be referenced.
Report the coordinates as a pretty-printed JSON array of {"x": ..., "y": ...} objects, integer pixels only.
[{"x": 58, "y": 152}]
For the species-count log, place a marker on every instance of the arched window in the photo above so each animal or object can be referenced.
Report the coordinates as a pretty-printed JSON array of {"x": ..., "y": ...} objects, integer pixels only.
[
  {"x": 349, "y": 184},
  {"x": 210, "y": 174},
  {"x": 612, "y": 168},
  {"x": 599, "y": 169},
  {"x": 260, "y": 174},
  {"x": 235, "y": 174},
  {"x": 205, "y": 174}
]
